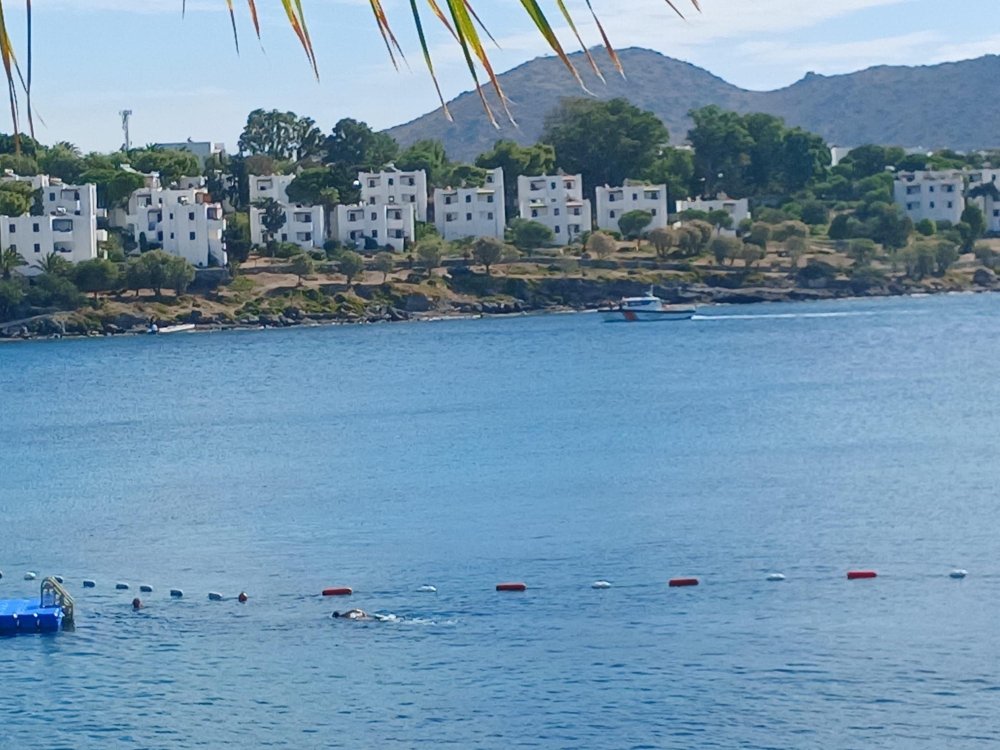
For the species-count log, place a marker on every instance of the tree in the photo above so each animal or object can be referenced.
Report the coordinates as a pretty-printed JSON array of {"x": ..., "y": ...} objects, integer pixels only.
[
  {"x": 517, "y": 161},
  {"x": 604, "y": 141},
  {"x": 751, "y": 253},
  {"x": 158, "y": 270},
  {"x": 47, "y": 290},
  {"x": 601, "y": 244},
  {"x": 428, "y": 155},
  {"x": 973, "y": 216},
  {"x": 723, "y": 248},
  {"x": 430, "y": 250},
  {"x": 15, "y": 198},
  {"x": 525, "y": 234},
  {"x": 787, "y": 229},
  {"x": 358, "y": 147},
  {"x": 281, "y": 135},
  {"x": 170, "y": 165},
  {"x": 926, "y": 227},
  {"x": 486, "y": 251},
  {"x": 673, "y": 167},
  {"x": 945, "y": 255},
  {"x": 316, "y": 186},
  {"x": 722, "y": 146},
  {"x": 814, "y": 213},
  {"x": 54, "y": 263},
  {"x": 301, "y": 265},
  {"x": 63, "y": 160},
  {"x": 237, "y": 237},
  {"x": 351, "y": 264},
  {"x": 861, "y": 250},
  {"x": 633, "y": 223},
  {"x": 10, "y": 261},
  {"x": 384, "y": 264},
  {"x": 795, "y": 248},
  {"x": 662, "y": 239},
  {"x": 720, "y": 219},
  {"x": 272, "y": 217},
  {"x": 11, "y": 296},
  {"x": 758, "y": 235},
  {"x": 871, "y": 159},
  {"x": 97, "y": 275}
]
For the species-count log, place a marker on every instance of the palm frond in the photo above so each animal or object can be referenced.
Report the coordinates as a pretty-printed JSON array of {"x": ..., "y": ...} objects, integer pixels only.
[{"x": 460, "y": 20}]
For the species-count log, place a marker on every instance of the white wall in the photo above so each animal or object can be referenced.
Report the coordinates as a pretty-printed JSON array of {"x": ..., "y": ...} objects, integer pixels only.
[
  {"x": 304, "y": 225},
  {"x": 183, "y": 222},
  {"x": 738, "y": 208},
  {"x": 938, "y": 196},
  {"x": 472, "y": 212},
  {"x": 73, "y": 237},
  {"x": 392, "y": 187},
  {"x": 614, "y": 202},
  {"x": 387, "y": 225},
  {"x": 274, "y": 186},
  {"x": 989, "y": 205},
  {"x": 557, "y": 202}
]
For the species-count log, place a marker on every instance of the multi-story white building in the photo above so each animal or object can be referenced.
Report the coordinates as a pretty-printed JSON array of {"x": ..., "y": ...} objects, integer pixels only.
[
  {"x": 614, "y": 202},
  {"x": 183, "y": 222},
  {"x": 557, "y": 202},
  {"x": 738, "y": 208},
  {"x": 67, "y": 226},
  {"x": 472, "y": 212},
  {"x": 385, "y": 225},
  {"x": 391, "y": 187},
  {"x": 989, "y": 201},
  {"x": 937, "y": 195},
  {"x": 304, "y": 225}
]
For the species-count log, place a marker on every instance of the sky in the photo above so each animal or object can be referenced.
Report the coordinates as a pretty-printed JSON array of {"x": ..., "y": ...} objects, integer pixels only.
[{"x": 183, "y": 78}]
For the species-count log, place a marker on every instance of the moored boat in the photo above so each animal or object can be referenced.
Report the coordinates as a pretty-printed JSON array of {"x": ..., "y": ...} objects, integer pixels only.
[{"x": 646, "y": 309}]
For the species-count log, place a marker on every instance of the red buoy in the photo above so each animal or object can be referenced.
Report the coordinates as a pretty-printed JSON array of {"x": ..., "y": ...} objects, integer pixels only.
[
  {"x": 344, "y": 591},
  {"x": 853, "y": 575},
  {"x": 511, "y": 587},
  {"x": 676, "y": 582}
]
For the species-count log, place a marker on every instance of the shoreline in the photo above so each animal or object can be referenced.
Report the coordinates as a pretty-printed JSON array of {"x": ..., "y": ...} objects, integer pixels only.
[{"x": 734, "y": 299}]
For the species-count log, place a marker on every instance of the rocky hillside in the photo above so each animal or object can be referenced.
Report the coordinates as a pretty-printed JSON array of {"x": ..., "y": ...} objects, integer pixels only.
[{"x": 935, "y": 106}]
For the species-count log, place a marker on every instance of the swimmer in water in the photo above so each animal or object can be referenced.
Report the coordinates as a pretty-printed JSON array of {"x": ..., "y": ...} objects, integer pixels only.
[{"x": 361, "y": 616}]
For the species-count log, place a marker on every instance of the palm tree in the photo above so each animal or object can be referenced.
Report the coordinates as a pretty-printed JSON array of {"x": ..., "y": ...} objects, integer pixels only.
[
  {"x": 459, "y": 18},
  {"x": 52, "y": 263},
  {"x": 10, "y": 259}
]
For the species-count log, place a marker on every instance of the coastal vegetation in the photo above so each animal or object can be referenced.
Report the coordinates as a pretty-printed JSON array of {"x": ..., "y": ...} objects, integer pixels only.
[{"x": 818, "y": 230}]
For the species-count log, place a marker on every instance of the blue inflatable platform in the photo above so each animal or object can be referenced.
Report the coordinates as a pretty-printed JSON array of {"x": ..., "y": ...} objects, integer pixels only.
[{"x": 46, "y": 614}]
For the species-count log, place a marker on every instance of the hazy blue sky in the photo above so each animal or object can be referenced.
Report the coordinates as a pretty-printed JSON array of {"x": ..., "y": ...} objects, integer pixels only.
[{"x": 183, "y": 78}]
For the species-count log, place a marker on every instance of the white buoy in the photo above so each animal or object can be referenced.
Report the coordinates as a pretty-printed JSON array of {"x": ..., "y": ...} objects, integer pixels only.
[
  {"x": 214, "y": 596},
  {"x": 776, "y": 577},
  {"x": 89, "y": 584},
  {"x": 600, "y": 585},
  {"x": 176, "y": 593},
  {"x": 959, "y": 573},
  {"x": 146, "y": 589},
  {"x": 30, "y": 576},
  {"x": 427, "y": 589},
  {"x": 121, "y": 586}
]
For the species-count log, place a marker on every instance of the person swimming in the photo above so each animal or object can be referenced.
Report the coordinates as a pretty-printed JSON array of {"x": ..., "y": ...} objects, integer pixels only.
[{"x": 361, "y": 616}]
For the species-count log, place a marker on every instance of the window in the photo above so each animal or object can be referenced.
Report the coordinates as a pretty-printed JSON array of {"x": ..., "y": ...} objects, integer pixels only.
[
  {"x": 52, "y": 196},
  {"x": 635, "y": 196},
  {"x": 159, "y": 236},
  {"x": 374, "y": 234},
  {"x": 391, "y": 181},
  {"x": 13, "y": 248},
  {"x": 38, "y": 248},
  {"x": 489, "y": 198},
  {"x": 284, "y": 237},
  {"x": 611, "y": 198},
  {"x": 652, "y": 212},
  {"x": 190, "y": 215},
  {"x": 553, "y": 186},
  {"x": 371, "y": 183},
  {"x": 374, "y": 216},
  {"x": 930, "y": 189},
  {"x": 932, "y": 204},
  {"x": 171, "y": 216},
  {"x": 468, "y": 199},
  {"x": 371, "y": 201},
  {"x": 555, "y": 212},
  {"x": 557, "y": 229},
  {"x": 534, "y": 213},
  {"x": 950, "y": 204},
  {"x": 468, "y": 217},
  {"x": 13, "y": 228},
  {"x": 191, "y": 236},
  {"x": 612, "y": 214},
  {"x": 171, "y": 235},
  {"x": 490, "y": 216}
]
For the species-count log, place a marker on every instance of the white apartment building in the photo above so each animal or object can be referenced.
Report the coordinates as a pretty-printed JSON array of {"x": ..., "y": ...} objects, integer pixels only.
[
  {"x": 391, "y": 187},
  {"x": 390, "y": 225},
  {"x": 614, "y": 202},
  {"x": 183, "y": 222},
  {"x": 304, "y": 225},
  {"x": 273, "y": 186},
  {"x": 472, "y": 212},
  {"x": 988, "y": 203},
  {"x": 68, "y": 225},
  {"x": 938, "y": 195},
  {"x": 738, "y": 208},
  {"x": 557, "y": 202}
]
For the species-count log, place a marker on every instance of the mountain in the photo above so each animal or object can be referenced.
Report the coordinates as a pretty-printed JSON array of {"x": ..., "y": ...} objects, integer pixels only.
[{"x": 933, "y": 106}]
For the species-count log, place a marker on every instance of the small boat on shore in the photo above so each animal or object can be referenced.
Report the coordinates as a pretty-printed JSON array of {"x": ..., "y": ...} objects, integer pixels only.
[
  {"x": 646, "y": 309},
  {"x": 179, "y": 328}
]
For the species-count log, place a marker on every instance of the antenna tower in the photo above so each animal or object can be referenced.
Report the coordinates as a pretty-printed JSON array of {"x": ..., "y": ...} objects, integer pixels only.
[{"x": 125, "y": 115}]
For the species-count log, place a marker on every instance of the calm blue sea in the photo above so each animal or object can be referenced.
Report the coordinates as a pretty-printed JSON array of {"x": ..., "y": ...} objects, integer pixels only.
[{"x": 806, "y": 439}]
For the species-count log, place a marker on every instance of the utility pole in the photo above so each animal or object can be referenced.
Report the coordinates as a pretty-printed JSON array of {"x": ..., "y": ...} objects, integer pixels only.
[{"x": 125, "y": 115}]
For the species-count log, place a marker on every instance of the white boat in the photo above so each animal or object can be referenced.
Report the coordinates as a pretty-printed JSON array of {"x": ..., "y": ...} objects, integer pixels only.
[
  {"x": 646, "y": 309},
  {"x": 179, "y": 328}
]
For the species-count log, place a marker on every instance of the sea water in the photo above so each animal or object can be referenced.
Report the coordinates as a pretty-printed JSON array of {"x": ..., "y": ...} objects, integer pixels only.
[{"x": 803, "y": 439}]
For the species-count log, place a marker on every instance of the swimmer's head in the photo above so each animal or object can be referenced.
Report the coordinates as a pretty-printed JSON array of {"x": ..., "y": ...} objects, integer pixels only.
[
  {"x": 137, "y": 603},
  {"x": 336, "y": 614}
]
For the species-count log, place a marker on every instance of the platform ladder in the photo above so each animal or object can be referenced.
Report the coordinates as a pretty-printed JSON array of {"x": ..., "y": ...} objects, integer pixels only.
[{"x": 54, "y": 595}]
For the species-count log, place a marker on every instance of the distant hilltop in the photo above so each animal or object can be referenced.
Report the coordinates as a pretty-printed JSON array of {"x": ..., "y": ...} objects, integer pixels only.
[{"x": 950, "y": 105}]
